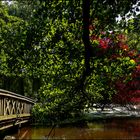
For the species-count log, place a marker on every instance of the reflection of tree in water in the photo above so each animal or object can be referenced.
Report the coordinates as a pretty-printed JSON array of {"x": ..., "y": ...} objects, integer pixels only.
[
  {"x": 132, "y": 125},
  {"x": 112, "y": 128}
]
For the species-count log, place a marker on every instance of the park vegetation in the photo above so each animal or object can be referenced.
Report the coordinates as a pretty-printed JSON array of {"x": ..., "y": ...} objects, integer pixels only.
[{"x": 69, "y": 55}]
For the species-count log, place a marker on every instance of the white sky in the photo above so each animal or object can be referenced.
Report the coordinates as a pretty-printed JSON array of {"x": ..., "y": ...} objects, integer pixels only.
[{"x": 137, "y": 12}]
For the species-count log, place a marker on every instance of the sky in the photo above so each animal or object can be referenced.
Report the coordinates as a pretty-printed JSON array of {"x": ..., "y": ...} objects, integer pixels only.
[{"x": 137, "y": 12}]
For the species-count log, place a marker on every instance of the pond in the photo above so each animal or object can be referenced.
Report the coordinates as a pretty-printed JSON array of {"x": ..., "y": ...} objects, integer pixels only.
[{"x": 114, "y": 128}]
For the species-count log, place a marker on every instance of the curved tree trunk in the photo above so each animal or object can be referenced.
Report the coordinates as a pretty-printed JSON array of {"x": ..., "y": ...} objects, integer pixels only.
[{"x": 86, "y": 41}]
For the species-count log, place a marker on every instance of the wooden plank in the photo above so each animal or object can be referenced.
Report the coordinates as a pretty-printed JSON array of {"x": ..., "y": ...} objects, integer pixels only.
[
  {"x": 17, "y": 96},
  {"x": 14, "y": 95},
  {"x": 8, "y": 117},
  {"x": 11, "y": 125}
]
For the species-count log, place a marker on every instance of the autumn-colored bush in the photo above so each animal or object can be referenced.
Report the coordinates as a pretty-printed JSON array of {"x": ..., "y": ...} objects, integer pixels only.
[
  {"x": 114, "y": 47},
  {"x": 128, "y": 92}
]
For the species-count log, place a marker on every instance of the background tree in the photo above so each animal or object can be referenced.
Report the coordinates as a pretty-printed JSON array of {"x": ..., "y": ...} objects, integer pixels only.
[{"x": 128, "y": 92}]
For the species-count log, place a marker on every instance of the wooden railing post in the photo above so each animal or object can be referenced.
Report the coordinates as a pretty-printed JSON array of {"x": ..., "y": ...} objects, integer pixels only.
[
  {"x": 1, "y": 106},
  {"x": 4, "y": 106},
  {"x": 13, "y": 104}
]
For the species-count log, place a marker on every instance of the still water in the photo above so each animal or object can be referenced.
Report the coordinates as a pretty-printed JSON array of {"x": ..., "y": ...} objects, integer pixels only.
[{"x": 122, "y": 128}]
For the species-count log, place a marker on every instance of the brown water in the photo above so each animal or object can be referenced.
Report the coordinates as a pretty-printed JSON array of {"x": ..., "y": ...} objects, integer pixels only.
[{"x": 104, "y": 129}]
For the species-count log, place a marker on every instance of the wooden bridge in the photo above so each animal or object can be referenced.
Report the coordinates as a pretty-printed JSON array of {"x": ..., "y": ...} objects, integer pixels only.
[{"x": 14, "y": 109}]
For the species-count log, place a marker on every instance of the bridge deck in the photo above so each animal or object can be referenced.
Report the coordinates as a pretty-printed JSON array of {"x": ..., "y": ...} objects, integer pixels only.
[{"x": 9, "y": 117}]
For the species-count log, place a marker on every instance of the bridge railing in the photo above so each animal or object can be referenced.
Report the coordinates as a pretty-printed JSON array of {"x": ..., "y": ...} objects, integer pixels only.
[{"x": 12, "y": 104}]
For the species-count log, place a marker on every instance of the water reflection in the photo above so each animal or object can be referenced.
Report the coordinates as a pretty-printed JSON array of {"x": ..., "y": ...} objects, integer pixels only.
[{"x": 107, "y": 129}]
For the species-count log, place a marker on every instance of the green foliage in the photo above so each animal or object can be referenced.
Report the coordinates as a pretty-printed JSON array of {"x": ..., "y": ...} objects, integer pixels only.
[{"x": 42, "y": 49}]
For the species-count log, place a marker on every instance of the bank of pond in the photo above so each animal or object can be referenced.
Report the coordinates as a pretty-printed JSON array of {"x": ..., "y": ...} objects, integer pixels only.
[{"x": 119, "y": 127}]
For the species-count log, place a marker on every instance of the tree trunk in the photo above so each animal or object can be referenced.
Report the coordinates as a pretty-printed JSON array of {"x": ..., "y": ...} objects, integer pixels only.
[{"x": 86, "y": 41}]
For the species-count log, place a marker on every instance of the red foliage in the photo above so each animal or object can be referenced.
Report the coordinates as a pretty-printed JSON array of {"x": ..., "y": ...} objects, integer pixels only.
[
  {"x": 132, "y": 53},
  {"x": 126, "y": 92},
  {"x": 91, "y": 27},
  {"x": 108, "y": 40},
  {"x": 104, "y": 43},
  {"x": 94, "y": 37},
  {"x": 122, "y": 37},
  {"x": 114, "y": 56}
]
